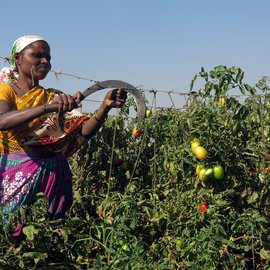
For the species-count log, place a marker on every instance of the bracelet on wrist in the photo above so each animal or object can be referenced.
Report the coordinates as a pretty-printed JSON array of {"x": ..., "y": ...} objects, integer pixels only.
[
  {"x": 44, "y": 108},
  {"x": 104, "y": 108},
  {"x": 97, "y": 119}
]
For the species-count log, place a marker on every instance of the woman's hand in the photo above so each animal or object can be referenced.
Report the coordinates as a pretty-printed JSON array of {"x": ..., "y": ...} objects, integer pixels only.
[
  {"x": 66, "y": 102},
  {"x": 78, "y": 98},
  {"x": 115, "y": 99}
]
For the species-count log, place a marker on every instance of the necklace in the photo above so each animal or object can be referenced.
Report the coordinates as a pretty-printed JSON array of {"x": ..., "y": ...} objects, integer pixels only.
[{"x": 20, "y": 88}]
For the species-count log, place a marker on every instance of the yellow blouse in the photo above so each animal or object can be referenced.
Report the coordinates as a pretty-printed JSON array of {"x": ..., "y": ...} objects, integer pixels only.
[{"x": 52, "y": 130}]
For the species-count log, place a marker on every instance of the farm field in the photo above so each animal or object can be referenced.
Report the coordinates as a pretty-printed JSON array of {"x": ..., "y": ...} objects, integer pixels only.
[{"x": 188, "y": 189}]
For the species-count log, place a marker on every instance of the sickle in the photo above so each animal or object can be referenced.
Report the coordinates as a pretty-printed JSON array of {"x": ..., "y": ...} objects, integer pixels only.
[{"x": 139, "y": 100}]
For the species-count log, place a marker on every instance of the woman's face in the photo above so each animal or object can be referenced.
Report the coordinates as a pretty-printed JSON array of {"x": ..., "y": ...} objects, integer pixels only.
[{"x": 34, "y": 60}]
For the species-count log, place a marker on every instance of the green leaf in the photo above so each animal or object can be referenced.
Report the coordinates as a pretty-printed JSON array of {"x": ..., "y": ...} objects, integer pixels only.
[
  {"x": 110, "y": 250},
  {"x": 64, "y": 233},
  {"x": 187, "y": 161},
  {"x": 37, "y": 256},
  {"x": 242, "y": 113},
  {"x": 239, "y": 76},
  {"x": 172, "y": 169},
  {"x": 75, "y": 219},
  {"x": 265, "y": 254},
  {"x": 248, "y": 88},
  {"x": 30, "y": 232},
  {"x": 40, "y": 195},
  {"x": 192, "y": 82},
  {"x": 78, "y": 197},
  {"x": 253, "y": 197},
  {"x": 242, "y": 89}
]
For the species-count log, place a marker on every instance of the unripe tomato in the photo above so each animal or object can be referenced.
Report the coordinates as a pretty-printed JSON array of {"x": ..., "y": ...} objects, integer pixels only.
[
  {"x": 148, "y": 113},
  {"x": 218, "y": 172},
  {"x": 179, "y": 243},
  {"x": 221, "y": 101},
  {"x": 125, "y": 247},
  {"x": 136, "y": 133},
  {"x": 236, "y": 128},
  {"x": 194, "y": 146},
  {"x": 202, "y": 175},
  {"x": 121, "y": 242},
  {"x": 198, "y": 169},
  {"x": 209, "y": 172},
  {"x": 200, "y": 152},
  {"x": 203, "y": 207}
]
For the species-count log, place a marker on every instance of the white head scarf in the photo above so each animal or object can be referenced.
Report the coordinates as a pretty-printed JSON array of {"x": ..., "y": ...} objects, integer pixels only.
[
  {"x": 8, "y": 73},
  {"x": 20, "y": 44}
]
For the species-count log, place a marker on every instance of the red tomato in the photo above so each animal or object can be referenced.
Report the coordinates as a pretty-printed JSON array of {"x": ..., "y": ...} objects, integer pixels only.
[
  {"x": 117, "y": 162},
  {"x": 136, "y": 132},
  {"x": 203, "y": 207}
]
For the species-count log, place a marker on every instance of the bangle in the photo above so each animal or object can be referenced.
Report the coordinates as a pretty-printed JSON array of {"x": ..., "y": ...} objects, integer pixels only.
[
  {"x": 105, "y": 109},
  {"x": 96, "y": 118}
]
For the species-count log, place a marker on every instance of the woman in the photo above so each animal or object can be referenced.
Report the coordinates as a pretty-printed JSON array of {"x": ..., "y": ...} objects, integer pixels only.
[{"x": 39, "y": 129}]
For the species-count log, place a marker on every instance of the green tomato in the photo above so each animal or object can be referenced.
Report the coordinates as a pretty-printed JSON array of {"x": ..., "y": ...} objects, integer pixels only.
[
  {"x": 125, "y": 247},
  {"x": 209, "y": 172},
  {"x": 218, "y": 172},
  {"x": 179, "y": 243},
  {"x": 202, "y": 175},
  {"x": 121, "y": 242},
  {"x": 221, "y": 101},
  {"x": 148, "y": 113},
  {"x": 236, "y": 128}
]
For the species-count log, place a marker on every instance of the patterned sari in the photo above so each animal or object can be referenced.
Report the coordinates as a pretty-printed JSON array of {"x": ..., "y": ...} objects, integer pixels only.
[{"x": 33, "y": 158}]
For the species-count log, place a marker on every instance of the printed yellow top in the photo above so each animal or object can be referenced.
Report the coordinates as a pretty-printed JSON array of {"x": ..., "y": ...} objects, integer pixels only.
[{"x": 50, "y": 132}]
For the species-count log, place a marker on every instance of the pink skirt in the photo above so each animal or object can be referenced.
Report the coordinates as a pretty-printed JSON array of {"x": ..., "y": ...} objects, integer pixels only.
[{"x": 23, "y": 175}]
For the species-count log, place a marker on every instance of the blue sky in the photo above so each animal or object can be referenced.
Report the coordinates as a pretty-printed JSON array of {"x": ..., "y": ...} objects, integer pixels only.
[{"x": 149, "y": 43}]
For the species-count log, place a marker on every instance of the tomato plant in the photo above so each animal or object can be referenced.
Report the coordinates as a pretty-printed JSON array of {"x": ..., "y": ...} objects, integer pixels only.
[{"x": 154, "y": 211}]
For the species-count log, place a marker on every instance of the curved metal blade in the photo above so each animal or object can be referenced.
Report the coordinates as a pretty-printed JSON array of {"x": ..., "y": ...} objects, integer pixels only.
[{"x": 141, "y": 107}]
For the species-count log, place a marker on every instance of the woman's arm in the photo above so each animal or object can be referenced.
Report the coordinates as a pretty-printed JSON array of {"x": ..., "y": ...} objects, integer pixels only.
[
  {"x": 10, "y": 118},
  {"x": 114, "y": 99}
]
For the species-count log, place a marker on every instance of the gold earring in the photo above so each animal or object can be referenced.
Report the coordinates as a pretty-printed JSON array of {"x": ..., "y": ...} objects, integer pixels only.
[{"x": 32, "y": 75}]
